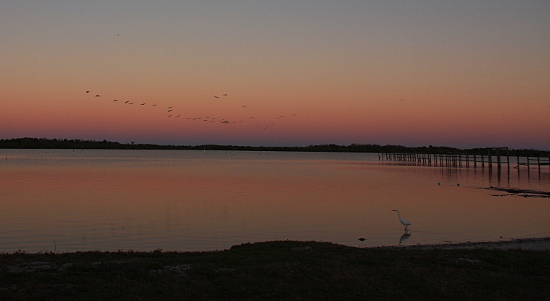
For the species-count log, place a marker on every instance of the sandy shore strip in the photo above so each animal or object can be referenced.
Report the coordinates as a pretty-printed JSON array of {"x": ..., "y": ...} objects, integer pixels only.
[{"x": 533, "y": 244}]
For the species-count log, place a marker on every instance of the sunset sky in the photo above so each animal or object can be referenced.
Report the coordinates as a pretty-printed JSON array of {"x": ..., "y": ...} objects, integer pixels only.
[{"x": 447, "y": 73}]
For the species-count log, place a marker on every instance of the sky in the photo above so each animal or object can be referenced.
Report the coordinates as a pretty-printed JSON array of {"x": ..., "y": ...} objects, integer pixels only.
[{"x": 277, "y": 73}]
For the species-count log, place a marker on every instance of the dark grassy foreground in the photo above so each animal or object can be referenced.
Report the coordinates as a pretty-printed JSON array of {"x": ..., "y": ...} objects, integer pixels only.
[{"x": 282, "y": 270}]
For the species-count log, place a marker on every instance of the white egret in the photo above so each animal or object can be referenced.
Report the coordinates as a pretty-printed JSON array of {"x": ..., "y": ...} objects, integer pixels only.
[{"x": 403, "y": 221}]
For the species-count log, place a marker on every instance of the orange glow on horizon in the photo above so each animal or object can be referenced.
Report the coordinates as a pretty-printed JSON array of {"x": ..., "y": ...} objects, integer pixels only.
[{"x": 414, "y": 76}]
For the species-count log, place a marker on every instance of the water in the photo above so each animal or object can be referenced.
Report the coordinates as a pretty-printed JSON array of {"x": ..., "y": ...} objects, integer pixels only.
[{"x": 65, "y": 200}]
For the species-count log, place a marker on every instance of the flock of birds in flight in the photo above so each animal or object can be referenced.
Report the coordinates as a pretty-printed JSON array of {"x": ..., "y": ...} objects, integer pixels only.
[{"x": 170, "y": 113}]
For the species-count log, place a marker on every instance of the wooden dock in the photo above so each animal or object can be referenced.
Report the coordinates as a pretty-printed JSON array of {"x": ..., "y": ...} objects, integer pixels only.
[
  {"x": 533, "y": 161},
  {"x": 489, "y": 158}
]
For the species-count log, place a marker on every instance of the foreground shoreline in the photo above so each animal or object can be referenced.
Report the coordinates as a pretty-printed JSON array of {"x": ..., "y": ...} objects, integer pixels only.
[
  {"x": 286, "y": 270},
  {"x": 531, "y": 244},
  {"x": 528, "y": 244}
]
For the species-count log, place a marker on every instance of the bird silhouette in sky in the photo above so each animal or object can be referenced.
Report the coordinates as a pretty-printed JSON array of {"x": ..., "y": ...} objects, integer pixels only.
[{"x": 176, "y": 114}]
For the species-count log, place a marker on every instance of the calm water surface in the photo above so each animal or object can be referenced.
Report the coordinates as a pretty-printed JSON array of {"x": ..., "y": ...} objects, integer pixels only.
[{"x": 65, "y": 200}]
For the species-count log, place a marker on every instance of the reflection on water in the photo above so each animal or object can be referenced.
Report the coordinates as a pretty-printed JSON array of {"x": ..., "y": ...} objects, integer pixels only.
[
  {"x": 404, "y": 237},
  {"x": 195, "y": 200}
]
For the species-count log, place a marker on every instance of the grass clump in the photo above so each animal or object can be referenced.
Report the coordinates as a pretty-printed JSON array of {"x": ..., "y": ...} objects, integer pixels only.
[{"x": 281, "y": 270}]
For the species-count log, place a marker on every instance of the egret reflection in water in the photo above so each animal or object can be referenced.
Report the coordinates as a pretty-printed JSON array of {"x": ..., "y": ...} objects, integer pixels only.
[{"x": 404, "y": 237}]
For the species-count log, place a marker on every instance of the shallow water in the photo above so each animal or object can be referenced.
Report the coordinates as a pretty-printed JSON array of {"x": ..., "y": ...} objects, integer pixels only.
[{"x": 65, "y": 200}]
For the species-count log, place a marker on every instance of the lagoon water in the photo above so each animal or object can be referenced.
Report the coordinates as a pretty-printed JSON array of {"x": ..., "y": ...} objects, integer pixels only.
[{"x": 78, "y": 200}]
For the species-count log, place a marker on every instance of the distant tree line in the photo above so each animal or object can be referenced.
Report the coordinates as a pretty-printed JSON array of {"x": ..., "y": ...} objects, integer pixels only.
[{"x": 44, "y": 143}]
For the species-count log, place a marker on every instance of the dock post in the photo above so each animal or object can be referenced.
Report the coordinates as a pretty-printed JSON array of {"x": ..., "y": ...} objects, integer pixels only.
[{"x": 498, "y": 159}]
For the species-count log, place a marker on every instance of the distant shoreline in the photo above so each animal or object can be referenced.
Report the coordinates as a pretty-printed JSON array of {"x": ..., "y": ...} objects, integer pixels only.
[{"x": 45, "y": 143}]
